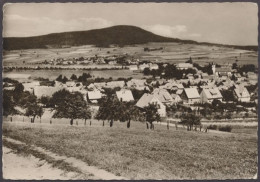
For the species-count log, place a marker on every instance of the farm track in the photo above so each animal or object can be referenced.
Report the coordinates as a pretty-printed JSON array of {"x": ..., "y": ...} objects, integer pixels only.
[{"x": 91, "y": 171}]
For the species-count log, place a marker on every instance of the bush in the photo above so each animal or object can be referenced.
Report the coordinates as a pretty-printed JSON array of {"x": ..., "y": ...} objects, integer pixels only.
[
  {"x": 226, "y": 128},
  {"x": 212, "y": 127}
]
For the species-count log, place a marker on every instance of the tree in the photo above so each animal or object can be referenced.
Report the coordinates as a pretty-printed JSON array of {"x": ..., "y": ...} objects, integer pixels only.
[
  {"x": 151, "y": 114},
  {"x": 147, "y": 71},
  {"x": 109, "y": 109},
  {"x": 128, "y": 111},
  {"x": 73, "y": 77},
  {"x": 45, "y": 100},
  {"x": 190, "y": 120},
  {"x": 86, "y": 113},
  {"x": 234, "y": 66},
  {"x": 59, "y": 78},
  {"x": 18, "y": 90},
  {"x": 70, "y": 105},
  {"x": 65, "y": 79},
  {"x": 189, "y": 61},
  {"x": 8, "y": 103},
  {"x": 33, "y": 109}
]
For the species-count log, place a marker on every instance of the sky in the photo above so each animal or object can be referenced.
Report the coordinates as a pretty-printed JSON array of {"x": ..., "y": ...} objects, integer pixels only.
[{"x": 225, "y": 23}]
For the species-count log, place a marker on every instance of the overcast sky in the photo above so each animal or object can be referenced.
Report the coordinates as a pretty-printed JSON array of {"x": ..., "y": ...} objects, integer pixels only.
[{"x": 228, "y": 23}]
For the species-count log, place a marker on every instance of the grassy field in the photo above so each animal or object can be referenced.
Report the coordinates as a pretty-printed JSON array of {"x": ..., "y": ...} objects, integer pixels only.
[
  {"x": 23, "y": 75},
  {"x": 138, "y": 153}
]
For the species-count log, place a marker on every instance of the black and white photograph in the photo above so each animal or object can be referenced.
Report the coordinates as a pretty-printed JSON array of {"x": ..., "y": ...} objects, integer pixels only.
[{"x": 129, "y": 91}]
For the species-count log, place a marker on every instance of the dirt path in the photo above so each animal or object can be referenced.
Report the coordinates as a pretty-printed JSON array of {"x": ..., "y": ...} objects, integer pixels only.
[
  {"x": 20, "y": 167},
  {"x": 30, "y": 168}
]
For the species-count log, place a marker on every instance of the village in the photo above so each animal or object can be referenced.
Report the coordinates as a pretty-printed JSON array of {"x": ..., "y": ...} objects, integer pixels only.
[{"x": 232, "y": 90}]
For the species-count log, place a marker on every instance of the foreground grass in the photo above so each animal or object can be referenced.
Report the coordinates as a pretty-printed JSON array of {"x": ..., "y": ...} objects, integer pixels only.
[{"x": 138, "y": 153}]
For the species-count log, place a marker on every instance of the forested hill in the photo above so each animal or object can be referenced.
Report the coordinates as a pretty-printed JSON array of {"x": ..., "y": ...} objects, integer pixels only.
[{"x": 119, "y": 35}]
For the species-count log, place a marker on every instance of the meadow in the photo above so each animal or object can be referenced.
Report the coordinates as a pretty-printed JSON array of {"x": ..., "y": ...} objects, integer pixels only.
[{"x": 139, "y": 153}]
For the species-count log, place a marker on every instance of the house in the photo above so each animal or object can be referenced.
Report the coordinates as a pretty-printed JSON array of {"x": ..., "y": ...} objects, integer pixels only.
[
  {"x": 114, "y": 84},
  {"x": 184, "y": 66},
  {"x": 153, "y": 66},
  {"x": 136, "y": 83},
  {"x": 40, "y": 91},
  {"x": 238, "y": 76},
  {"x": 242, "y": 94},
  {"x": 176, "y": 98},
  {"x": 208, "y": 95},
  {"x": 30, "y": 86},
  {"x": 163, "y": 95},
  {"x": 223, "y": 71},
  {"x": 125, "y": 95},
  {"x": 190, "y": 96},
  {"x": 252, "y": 75},
  {"x": 205, "y": 75},
  {"x": 100, "y": 84},
  {"x": 147, "y": 99},
  {"x": 94, "y": 96},
  {"x": 142, "y": 88},
  {"x": 143, "y": 66},
  {"x": 133, "y": 67},
  {"x": 70, "y": 84}
]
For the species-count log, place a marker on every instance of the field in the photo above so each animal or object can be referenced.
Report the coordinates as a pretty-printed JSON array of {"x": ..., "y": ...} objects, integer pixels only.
[
  {"x": 171, "y": 53},
  {"x": 138, "y": 153},
  {"x": 25, "y": 75}
]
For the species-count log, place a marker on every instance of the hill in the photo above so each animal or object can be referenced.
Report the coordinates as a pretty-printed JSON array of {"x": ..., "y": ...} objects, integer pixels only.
[{"x": 119, "y": 35}]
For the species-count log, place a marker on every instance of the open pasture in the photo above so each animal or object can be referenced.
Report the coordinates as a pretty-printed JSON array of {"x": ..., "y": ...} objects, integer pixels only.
[{"x": 138, "y": 153}]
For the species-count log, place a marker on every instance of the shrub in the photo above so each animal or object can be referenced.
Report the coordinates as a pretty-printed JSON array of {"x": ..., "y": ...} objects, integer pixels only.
[
  {"x": 213, "y": 127},
  {"x": 226, "y": 128}
]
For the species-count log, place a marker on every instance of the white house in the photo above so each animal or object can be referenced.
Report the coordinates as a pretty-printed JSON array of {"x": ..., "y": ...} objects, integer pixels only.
[
  {"x": 184, "y": 66},
  {"x": 190, "y": 96},
  {"x": 163, "y": 95},
  {"x": 125, "y": 95},
  {"x": 94, "y": 96},
  {"x": 242, "y": 94},
  {"x": 208, "y": 95},
  {"x": 133, "y": 67},
  {"x": 147, "y": 99}
]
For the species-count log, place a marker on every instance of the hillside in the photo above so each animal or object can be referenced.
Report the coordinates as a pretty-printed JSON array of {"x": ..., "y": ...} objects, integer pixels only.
[{"x": 120, "y": 35}]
